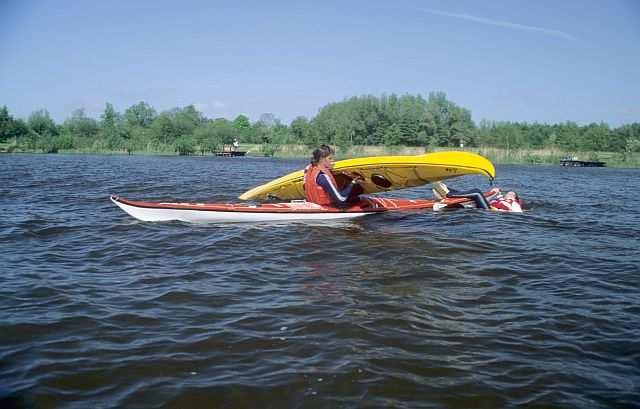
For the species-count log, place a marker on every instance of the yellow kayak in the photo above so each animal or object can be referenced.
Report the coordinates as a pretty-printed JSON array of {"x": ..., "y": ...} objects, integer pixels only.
[{"x": 382, "y": 173}]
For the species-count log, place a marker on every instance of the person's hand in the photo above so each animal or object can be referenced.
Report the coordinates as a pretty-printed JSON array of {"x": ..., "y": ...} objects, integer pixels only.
[{"x": 355, "y": 178}]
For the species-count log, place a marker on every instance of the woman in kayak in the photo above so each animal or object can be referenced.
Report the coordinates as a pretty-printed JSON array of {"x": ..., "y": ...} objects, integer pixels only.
[{"x": 320, "y": 186}]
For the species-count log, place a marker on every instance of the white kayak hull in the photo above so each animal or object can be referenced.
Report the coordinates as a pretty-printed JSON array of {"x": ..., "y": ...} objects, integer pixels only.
[
  {"x": 154, "y": 214},
  {"x": 275, "y": 212}
]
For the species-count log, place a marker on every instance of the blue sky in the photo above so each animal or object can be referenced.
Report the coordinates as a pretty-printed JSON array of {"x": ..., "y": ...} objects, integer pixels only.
[{"x": 544, "y": 61}]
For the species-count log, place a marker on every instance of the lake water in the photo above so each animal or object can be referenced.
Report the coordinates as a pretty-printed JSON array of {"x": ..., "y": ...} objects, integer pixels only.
[{"x": 462, "y": 309}]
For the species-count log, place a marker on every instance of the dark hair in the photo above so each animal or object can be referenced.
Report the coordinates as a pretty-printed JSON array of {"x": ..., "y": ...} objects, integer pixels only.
[
  {"x": 517, "y": 198},
  {"x": 322, "y": 152},
  {"x": 520, "y": 201}
]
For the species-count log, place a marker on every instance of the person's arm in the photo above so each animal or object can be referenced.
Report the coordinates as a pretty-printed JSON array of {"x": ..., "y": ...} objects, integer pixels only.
[{"x": 337, "y": 196}]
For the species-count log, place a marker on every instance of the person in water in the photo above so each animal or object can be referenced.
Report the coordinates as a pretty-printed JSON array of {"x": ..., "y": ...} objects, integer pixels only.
[
  {"x": 320, "y": 186},
  {"x": 510, "y": 202},
  {"x": 442, "y": 191}
]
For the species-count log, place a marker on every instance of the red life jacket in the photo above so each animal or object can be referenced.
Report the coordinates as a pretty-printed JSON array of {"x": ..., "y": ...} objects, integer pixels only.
[
  {"x": 313, "y": 192},
  {"x": 506, "y": 205}
]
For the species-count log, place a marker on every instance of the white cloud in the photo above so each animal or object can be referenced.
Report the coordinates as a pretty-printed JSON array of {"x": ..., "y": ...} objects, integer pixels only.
[{"x": 506, "y": 24}]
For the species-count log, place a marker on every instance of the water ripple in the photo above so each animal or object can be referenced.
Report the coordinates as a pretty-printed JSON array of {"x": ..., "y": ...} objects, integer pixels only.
[{"x": 456, "y": 309}]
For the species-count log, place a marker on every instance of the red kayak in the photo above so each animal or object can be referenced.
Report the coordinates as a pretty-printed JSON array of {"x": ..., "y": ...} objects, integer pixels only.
[{"x": 297, "y": 210}]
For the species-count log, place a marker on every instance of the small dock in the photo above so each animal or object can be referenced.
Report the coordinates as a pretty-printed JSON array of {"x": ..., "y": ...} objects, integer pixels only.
[
  {"x": 581, "y": 163},
  {"x": 230, "y": 153}
]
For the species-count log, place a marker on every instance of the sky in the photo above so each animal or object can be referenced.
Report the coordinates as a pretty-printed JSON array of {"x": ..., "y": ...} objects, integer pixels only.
[{"x": 520, "y": 60}]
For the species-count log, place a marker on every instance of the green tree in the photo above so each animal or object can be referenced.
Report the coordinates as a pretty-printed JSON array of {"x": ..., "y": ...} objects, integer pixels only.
[
  {"x": 633, "y": 145},
  {"x": 140, "y": 114},
  {"x": 112, "y": 129},
  {"x": 275, "y": 137},
  {"x": 16, "y": 129},
  {"x": 626, "y": 140},
  {"x": 42, "y": 124},
  {"x": 164, "y": 130},
  {"x": 176, "y": 123},
  {"x": 185, "y": 145},
  {"x": 568, "y": 136},
  {"x": 241, "y": 124},
  {"x": 393, "y": 135},
  {"x": 83, "y": 126},
  {"x": 6, "y": 123},
  {"x": 81, "y": 129},
  {"x": 207, "y": 138},
  {"x": 139, "y": 139},
  {"x": 272, "y": 133},
  {"x": 301, "y": 130},
  {"x": 594, "y": 137},
  {"x": 462, "y": 127},
  {"x": 410, "y": 112},
  {"x": 225, "y": 132},
  {"x": 447, "y": 123},
  {"x": 45, "y": 132}
]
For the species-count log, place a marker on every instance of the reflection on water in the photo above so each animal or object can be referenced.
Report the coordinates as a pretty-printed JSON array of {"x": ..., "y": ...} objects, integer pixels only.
[{"x": 457, "y": 309}]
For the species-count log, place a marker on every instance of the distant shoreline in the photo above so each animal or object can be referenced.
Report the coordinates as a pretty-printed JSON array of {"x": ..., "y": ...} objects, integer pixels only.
[{"x": 498, "y": 156}]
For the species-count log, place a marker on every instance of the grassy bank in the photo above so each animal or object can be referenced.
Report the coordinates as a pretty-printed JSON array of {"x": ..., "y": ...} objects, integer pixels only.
[
  {"x": 553, "y": 156},
  {"x": 303, "y": 151},
  {"x": 498, "y": 156}
]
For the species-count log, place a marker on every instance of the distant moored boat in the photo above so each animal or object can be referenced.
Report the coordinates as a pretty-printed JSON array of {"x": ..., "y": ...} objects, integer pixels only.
[
  {"x": 574, "y": 162},
  {"x": 230, "y": 153}
]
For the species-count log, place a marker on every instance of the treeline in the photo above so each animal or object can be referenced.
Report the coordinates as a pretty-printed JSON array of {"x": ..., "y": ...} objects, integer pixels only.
[
  {"x": 367, "y": 120},
  {"x": 139, "y": 129}
]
